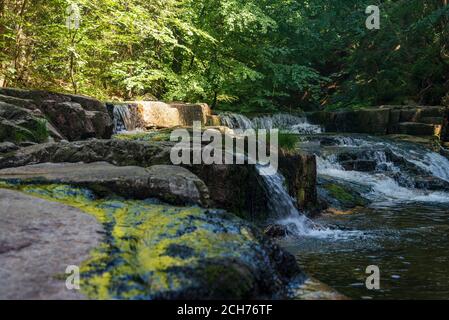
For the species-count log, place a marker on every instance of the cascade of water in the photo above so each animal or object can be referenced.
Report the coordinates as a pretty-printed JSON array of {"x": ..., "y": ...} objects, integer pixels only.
[
  {"x": 284, "y": 122},
  {"x": 283, "y": 209},
  {"x": 236, "y": 121},
  {"x": 122, "y": 118},
  {"x": 382, "y": 187},
  {"x": 431, "y": 162}
]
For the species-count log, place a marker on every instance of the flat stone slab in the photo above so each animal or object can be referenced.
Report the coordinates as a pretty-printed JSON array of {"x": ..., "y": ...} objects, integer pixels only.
[
  {"x": 175, "y": 185},
  {"x": 38, "y": 240}
]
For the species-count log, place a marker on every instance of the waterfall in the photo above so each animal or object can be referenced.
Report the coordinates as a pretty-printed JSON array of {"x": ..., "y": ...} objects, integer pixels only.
[
  {"x": 284, "y": 122},
  {"x": 123, "y": 118},
  {"x": 236, "y": 121},
  {"x": 281, "y": 206}
]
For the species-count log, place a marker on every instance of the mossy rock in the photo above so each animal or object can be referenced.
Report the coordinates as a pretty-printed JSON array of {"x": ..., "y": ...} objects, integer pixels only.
[
  {"x": 156, "y": 251},
  {"x": 35, "y": 131},
  {"x": 340, "y": 196},
  {"x": 156, "y": 136},
  {"x": 18, "y": 124}
]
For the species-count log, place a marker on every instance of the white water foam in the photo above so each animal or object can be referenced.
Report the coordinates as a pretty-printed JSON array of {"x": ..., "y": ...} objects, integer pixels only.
[
  {"x": 381, "y": 186},
  {"x": 282, "y": 207},
  {"x": 284, "y": 122}
]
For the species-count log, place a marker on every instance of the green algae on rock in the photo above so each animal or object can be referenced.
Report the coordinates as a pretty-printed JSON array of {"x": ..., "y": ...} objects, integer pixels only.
[
  {"x": 155, "y": 251},
  {"x": 340, "y": 196}
]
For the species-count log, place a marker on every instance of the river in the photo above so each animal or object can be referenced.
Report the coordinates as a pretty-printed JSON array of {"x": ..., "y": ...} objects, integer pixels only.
[{"x": 400, "y": 226}]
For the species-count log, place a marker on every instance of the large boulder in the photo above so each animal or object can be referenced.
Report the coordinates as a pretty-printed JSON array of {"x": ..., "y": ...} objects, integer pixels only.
[
  {"x": 172, "y": 184},
  {"x": 236, "y": 188},
  {"x": 38, "y": 241},
  {"x": 341, "y": 196},
  {"x": 72, "y": 116},
  {"x": 156, "y": 251}
]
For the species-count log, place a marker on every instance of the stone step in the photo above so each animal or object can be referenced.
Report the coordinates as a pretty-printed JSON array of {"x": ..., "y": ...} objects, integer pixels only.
[{"x": 419, "y": 129}]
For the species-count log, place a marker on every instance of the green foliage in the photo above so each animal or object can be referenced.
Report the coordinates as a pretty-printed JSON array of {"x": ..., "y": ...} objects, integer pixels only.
[
  {"x": 237, "y": 55},
  {"x": 40, "y": 131},
  {"x": 288, "y": 141}
]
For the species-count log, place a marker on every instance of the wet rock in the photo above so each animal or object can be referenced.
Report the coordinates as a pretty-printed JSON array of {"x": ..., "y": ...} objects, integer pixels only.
[
  {"x": 38, "y": 240},
  {"x": 6, "y": 147},
  {"x": 329, "y": 141},
  {"x": 359, "y": 165},
  {"x": 431, "y": 183},
  {"x": 236, "y": 188},
  {"x": 341, "y": 196},
  {"x": 72, "y": 116},
  {"x": 172, "y": 184},
  {"x": 433, "y": 120},
  {"x": 276, "y": 231},
  {"x": 371, "y": 121}
]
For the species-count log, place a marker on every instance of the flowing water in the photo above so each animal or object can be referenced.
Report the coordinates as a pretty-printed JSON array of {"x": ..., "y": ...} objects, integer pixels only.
[
  {"x": 404, "y": 229},
  {"x": 284, "y": 122},
  {"x": 123, "y": 118},
  {"x": 402, "y": 226},
  {"x": 282, "y": 207}
]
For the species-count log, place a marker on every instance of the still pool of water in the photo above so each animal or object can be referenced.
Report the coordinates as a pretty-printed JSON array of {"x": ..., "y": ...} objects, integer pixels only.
[{"x": 408, "y": 242}]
